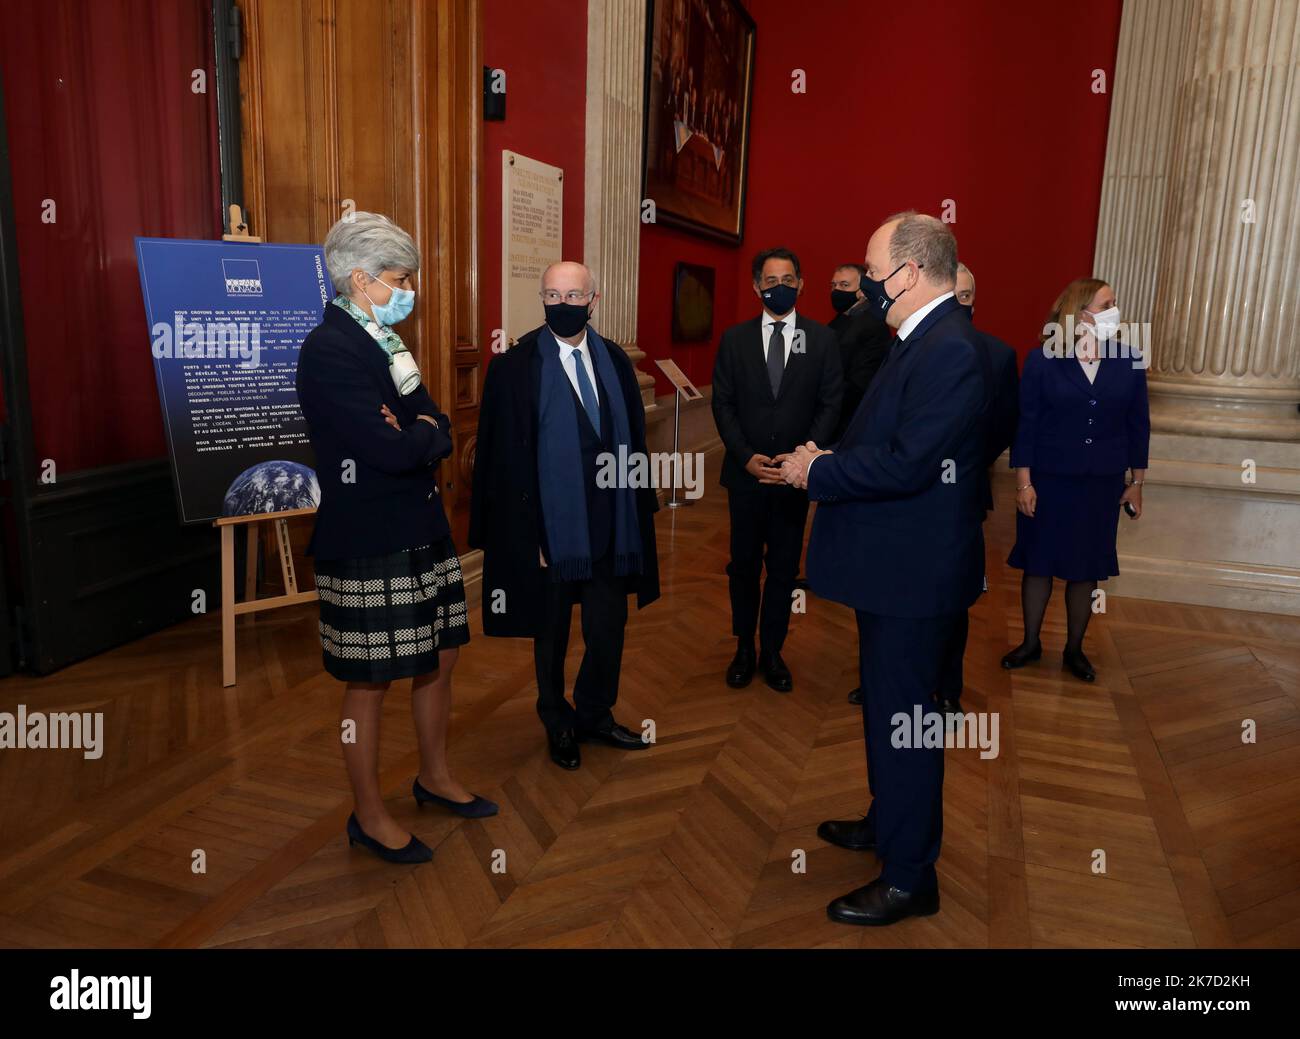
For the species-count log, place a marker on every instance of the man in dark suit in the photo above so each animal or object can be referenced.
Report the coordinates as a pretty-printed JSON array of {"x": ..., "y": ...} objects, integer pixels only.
[
  {"x": 864, "y": 339},
  {"x": 557, "y": 408},
  {"x": 1004, "y": 409},
  {"x": 864, "y": 344},
  {"x": 776, "y": 384},
  {"x": 898, "y": 537}
]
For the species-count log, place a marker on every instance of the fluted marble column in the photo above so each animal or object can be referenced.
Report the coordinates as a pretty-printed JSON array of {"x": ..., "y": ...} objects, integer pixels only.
[
  {"x": 612, "y": 224},
  {"x": 1199, "y": 236},
  {"x": 1198, "y": 228},
  {"x": 1149, "y": 69}
]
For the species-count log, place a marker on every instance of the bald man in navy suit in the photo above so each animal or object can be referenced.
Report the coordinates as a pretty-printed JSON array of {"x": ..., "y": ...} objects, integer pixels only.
[{"x": 898, "y": 537}]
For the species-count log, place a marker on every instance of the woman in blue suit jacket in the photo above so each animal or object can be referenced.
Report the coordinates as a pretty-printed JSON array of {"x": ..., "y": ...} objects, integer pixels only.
[
  {"x": 392, "y": 603},
  {"x": 1084, "y": 424}
]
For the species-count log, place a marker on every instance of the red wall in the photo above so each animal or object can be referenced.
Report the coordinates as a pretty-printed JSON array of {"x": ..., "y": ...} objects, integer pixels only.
[
  {"x": 989, "y": 104},
  {"x": 542, "y": 46}
]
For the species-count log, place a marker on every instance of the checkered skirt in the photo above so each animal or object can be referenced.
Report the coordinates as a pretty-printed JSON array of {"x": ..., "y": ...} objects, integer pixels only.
[{"x": 386, "y": 617}]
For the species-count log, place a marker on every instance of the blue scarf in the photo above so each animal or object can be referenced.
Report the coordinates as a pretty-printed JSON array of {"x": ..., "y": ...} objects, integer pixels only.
[{"x": 559, "y": 466}]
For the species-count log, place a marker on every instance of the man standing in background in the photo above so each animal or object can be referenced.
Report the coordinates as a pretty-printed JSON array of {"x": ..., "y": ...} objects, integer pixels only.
[
  {"x": 776, "y": 384},
  {"x": 863, "y": 338},
  {"x": 864, "y": 345},
  {"x": 1004, "y": 410}
]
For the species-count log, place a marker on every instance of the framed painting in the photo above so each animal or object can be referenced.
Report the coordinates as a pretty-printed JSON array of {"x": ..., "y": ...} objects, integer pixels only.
[
  {"x": 699, "y": 86},
  {"x": 692, "y": 303}
]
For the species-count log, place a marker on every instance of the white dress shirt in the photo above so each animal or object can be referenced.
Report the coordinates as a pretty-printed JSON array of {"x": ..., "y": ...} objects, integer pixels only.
[
  {"x": 1089, "y": 367},
  {"x": 567, "y": 361},
  {"x": 787, "y": 334},
  {"x": 905, "y": 329}
]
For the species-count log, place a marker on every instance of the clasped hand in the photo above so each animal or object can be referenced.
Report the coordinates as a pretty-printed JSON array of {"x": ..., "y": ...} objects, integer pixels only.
[{"x": 794, "y": 464}]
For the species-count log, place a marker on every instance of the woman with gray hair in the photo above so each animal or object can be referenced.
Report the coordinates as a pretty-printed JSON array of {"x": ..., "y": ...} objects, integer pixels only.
[{"x": 392, "y": 604}]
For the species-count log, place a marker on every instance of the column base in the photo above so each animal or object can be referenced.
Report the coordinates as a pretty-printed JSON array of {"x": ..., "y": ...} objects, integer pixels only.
[
  {"x": 1208, "y": 538},
  {"x": 1218, "y": 410},
  {"x": 644, "y": 380}
]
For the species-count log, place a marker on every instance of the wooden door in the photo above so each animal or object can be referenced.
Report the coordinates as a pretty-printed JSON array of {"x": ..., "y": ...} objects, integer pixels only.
[{"x": 376, "y": 105}]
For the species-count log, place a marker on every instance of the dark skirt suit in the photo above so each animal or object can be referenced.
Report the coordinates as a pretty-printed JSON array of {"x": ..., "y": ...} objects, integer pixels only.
[
  {"x": 391, "y": 593},
  {"x": 1077, "y": 439}
]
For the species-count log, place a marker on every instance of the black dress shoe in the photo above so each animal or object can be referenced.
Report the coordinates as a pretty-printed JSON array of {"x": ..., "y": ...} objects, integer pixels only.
[
  {"x": 775, "y": 673},
  {"x": 1022, "y": 655},
  {"x": 475, "y": 808},
  {"x": 619, "y": 736},
  {"x": 414, "y": 851},
  {"x": 741, "y": 670},
  {"x": 855, "y": 696},
  {"x": 853, "y": 834},
  {"x": 564, "y": 748},
  {"x": 1078, "y": 665},
  {"x": 878, "y": 904}
]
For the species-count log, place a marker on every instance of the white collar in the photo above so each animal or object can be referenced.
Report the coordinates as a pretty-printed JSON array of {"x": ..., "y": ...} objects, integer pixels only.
[
  {"x": 570, "y": 347},
  {"x": 905, "y": 329},
  {"x": 769, "y": 320}
]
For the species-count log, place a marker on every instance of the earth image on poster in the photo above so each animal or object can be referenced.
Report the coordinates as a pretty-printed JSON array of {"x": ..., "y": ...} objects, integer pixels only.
[{"x": 272, "y": 487}]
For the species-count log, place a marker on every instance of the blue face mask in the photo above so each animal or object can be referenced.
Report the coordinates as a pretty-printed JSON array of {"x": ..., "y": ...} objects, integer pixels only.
[{"x": 399, "y": 305}]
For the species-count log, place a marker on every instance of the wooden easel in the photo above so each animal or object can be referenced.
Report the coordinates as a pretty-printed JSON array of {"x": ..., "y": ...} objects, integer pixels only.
[
  {"x": 252, "y": 524},
  {"x": 252, "y": 604},
  {"x": 238, "y": 228}
]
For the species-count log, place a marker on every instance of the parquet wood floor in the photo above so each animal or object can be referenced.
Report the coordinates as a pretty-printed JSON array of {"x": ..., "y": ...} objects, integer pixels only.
[{"x": 689, "y": 844}]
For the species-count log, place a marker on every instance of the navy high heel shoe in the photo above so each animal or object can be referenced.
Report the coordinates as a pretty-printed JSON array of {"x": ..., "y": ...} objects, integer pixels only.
[
  {"x": 479, "y": 808},
  {"x": 415, "y": 851}
]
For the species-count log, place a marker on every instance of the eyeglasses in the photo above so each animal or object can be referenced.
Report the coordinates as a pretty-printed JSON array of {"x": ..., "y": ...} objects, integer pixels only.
[{"x": 551, "y": 296}]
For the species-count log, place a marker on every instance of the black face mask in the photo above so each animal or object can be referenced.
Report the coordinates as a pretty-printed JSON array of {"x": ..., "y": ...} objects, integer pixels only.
[
  {"x": 875, "y": 292},
  {"x": 779, "y": 299},
  {"x": 842, "y": 300},
  {"x": 970, "y": 310},
  {"x": 567, "y": 319}
]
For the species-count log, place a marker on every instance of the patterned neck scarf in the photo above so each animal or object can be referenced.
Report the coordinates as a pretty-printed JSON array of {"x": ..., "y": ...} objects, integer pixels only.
[{"x": 381, "y": 334}]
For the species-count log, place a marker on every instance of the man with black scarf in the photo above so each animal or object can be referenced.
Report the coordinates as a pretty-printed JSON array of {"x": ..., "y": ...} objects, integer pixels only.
[{"x": 557, "y": 406}]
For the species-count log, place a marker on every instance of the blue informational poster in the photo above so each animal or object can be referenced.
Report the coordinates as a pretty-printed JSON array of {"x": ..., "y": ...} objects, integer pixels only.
[{"x": 226, "y": 321}]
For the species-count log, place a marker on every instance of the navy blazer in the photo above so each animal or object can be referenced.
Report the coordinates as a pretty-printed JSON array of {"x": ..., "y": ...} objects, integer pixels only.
[
  {"x": 1073, "y": 427},
  {"x": 898, "y": 528},
  {"x": 750, "y": 419},
  {"x": 388, "y": 499}
]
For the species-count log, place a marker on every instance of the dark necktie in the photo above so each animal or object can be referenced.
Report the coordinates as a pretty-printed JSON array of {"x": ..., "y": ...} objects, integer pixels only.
[
  {"x": 776, "y": 357},
  {"x": 586, "y": 391}
]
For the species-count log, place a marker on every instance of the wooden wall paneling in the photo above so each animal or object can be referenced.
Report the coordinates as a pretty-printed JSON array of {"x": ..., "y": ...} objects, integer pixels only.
[
  {"x": 377, "y": 104},
  {"x": 460, "y": 164}
]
